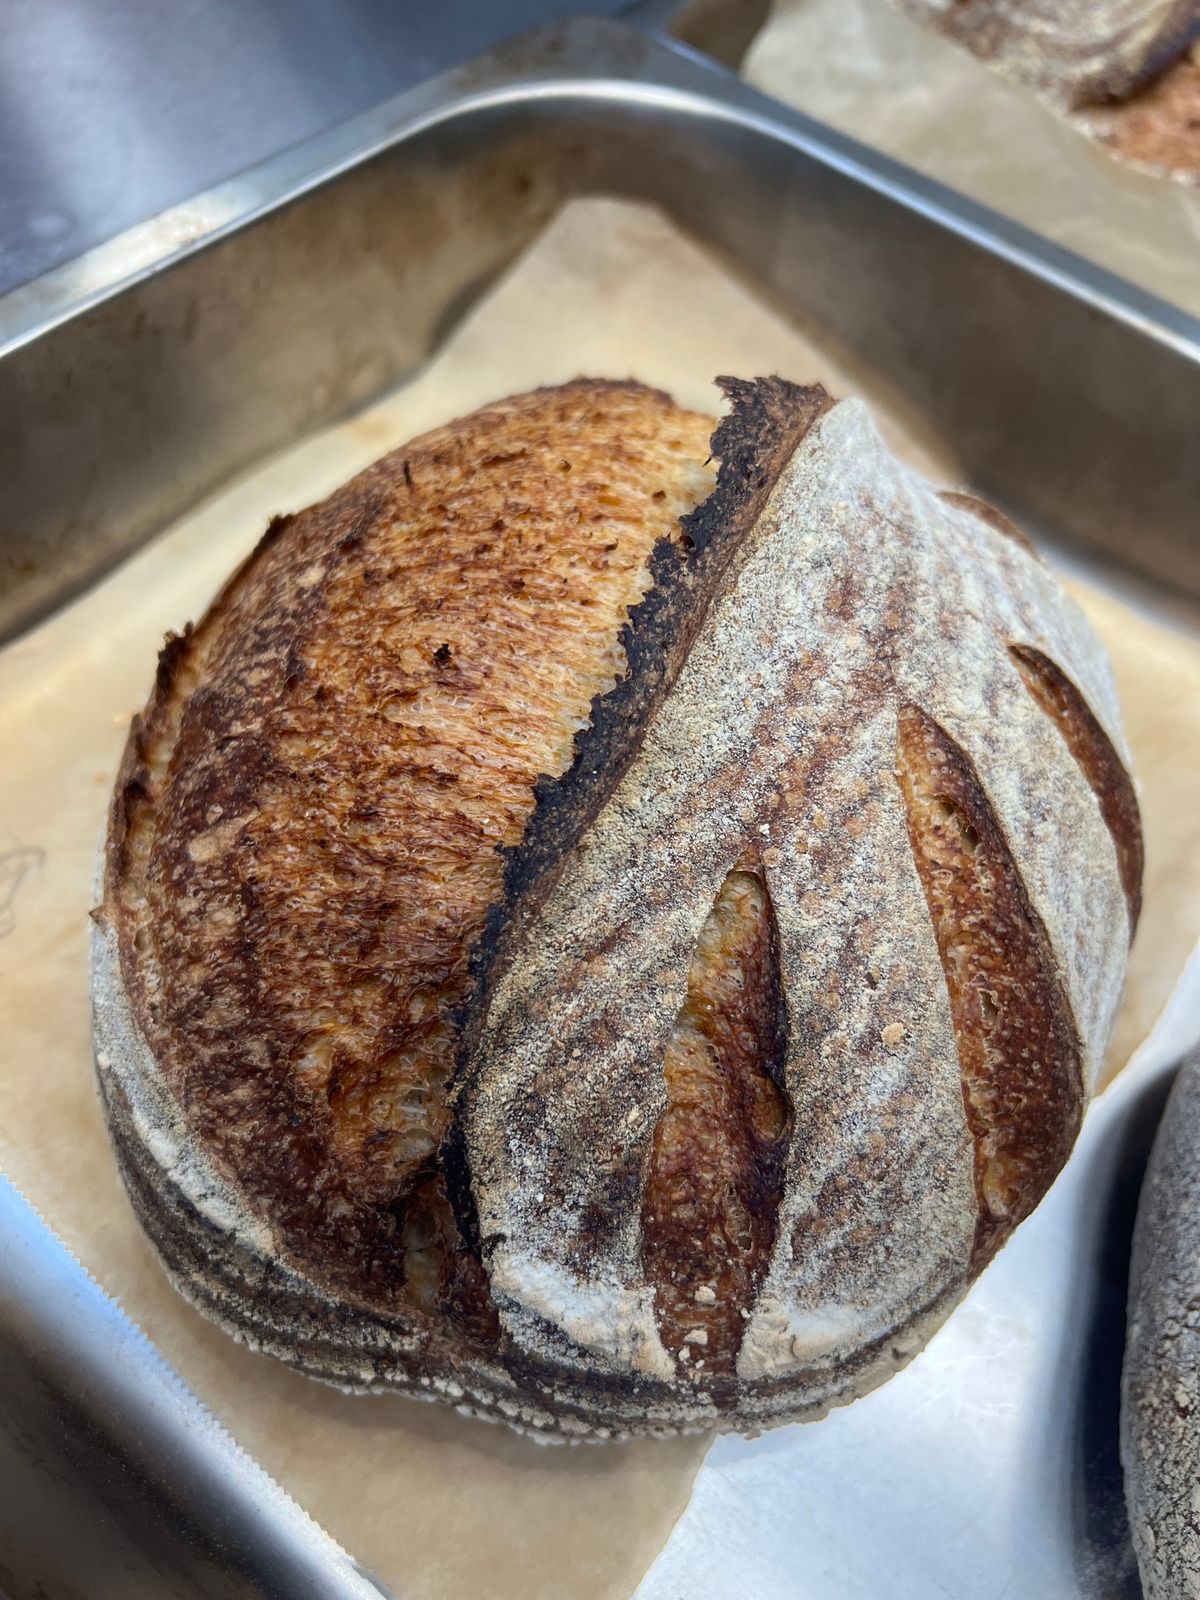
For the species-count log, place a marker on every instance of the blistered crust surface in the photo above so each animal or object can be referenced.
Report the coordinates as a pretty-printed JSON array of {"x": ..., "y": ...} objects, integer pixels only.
[
  {"x": 305, "y": 839},
  {"x": 1160, "y": 1435},
  {"x": 858, "y": 591}
]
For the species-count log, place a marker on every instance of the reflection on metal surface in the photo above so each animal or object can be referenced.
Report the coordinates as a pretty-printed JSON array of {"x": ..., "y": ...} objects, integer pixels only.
[
  {"x": 110, "y": 112},
  {"x": 114, "y": 1479}
]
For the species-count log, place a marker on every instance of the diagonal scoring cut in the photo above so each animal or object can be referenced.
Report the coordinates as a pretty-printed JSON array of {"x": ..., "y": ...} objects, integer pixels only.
[
  {"x": 1017, "y": 1045},
  {"x": 1100, "y": 764},
  {"x": 715, "y": 1178}
]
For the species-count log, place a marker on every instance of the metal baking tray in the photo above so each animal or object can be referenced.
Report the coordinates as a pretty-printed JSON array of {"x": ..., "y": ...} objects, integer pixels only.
[
  {"x": 144, "y": 374},
  {"x": 140, "y": 377}
]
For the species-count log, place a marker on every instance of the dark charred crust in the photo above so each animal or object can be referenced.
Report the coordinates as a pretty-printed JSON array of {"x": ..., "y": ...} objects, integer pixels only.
[
  {"x": 1096, "y": 758},
  {"x": 275, "y": 529},
  {"x": 753, "y": 444},
  {"x": 998, "y": 34},
  {"x": 769, "y": 420},
  {"x": 175, "y": 650},
  {"x": 1017, "y": 1042},
  {"x": 457, "y": 1173}
]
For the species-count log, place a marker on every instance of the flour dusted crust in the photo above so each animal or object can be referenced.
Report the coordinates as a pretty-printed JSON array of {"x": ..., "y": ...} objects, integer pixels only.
[
  {"x": 1160, "y": 1435},
  {"x": 1077, "y": 51},
  {"x": 783, "y": 1001}
]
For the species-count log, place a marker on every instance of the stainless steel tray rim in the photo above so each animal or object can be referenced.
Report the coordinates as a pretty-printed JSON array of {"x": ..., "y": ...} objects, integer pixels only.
[
  {"x": 1079, "y": 417},
  {"x": 197, "y": 224}
]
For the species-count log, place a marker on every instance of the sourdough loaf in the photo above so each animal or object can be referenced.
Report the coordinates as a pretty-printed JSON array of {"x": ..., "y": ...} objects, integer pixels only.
[{"x": 616, "y": 953}]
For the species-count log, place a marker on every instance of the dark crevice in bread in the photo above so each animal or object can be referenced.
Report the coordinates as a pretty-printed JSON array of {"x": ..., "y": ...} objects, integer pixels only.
[
  {"x": 768, "y": 420},
  {"x": 715, "y": 1179},
  {"x": 1097, "y": 760},
  {"x": 1017, "y": 1044},
  {"x": 443, "y": 1275},
  {"x": 307, "y": 815}
]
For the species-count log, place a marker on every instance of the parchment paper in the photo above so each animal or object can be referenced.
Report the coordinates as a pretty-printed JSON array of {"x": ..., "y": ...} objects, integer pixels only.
[
  {"x": 883, "y": 78},
  {"x": 437, "y": 1505}
]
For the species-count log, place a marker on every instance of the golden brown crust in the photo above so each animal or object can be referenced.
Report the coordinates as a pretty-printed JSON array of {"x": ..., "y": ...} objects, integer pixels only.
[
  {"x": 304, "y": 844},
  {"x": 1097, "y": 760},
  {"x": 715, "y": 1175},
  {"x": 709, "y": 929},
  {"x": 1017, "y": 1046}
]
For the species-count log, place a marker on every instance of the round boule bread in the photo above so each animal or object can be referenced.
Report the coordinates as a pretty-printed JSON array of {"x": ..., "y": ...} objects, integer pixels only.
[
  {"x": 1076, "y": 52},
  {"x": 616, "y": 952}
]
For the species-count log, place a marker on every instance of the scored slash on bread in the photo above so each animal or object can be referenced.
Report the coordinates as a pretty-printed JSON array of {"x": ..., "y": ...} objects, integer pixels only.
[{"x": 702, "y": 1102}]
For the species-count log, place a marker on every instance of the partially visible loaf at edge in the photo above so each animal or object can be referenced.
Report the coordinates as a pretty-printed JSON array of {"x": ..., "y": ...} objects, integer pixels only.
[
  {"x": 1160, "y": 1409},
  {"x": 1127, "y": 67},
  {"x": 702, "y": 1100}
]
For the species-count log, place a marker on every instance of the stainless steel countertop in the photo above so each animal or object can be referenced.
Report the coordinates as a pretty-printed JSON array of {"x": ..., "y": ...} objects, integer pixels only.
[{"x": 112, "y": 110}]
